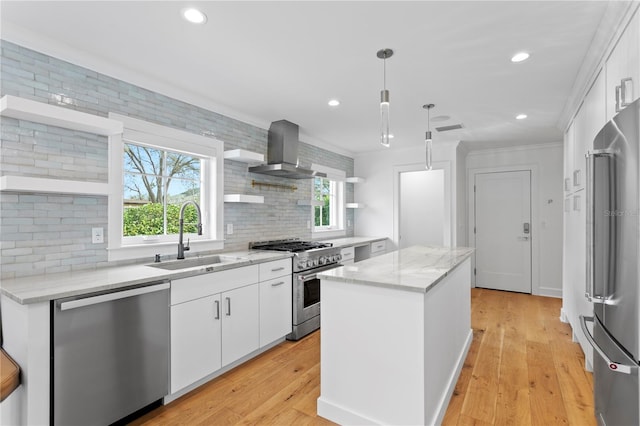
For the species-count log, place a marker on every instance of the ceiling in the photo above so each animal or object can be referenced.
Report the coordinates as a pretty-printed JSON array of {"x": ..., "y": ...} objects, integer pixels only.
[{"x": 265, "y": 61}]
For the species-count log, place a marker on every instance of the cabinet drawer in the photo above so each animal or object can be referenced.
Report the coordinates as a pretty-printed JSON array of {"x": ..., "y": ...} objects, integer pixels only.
[
  {"x": 378, "y": 247},
  {"x": 275, "y": 269},
  {"x": 191, "y": 288},
  {"x": 348, "y": 253}
]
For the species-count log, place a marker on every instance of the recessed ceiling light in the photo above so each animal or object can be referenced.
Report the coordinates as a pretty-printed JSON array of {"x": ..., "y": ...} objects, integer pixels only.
[
  {"x": 519, "y": 57},
  {"x": 521, "y": 116},
  {"x": 334, "y": 102},
  {"x": 194, "y": 16}
]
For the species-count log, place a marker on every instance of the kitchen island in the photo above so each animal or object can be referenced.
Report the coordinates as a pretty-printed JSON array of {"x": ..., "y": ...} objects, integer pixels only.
[{"x": 395, "y": 333}]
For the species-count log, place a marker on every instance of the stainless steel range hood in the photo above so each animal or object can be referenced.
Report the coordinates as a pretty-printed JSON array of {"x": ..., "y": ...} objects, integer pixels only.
[{"x": 282, "y": 153}]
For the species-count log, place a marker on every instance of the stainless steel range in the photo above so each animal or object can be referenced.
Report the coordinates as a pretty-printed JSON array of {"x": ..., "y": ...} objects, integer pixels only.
[{"x": 309, "y": 258}]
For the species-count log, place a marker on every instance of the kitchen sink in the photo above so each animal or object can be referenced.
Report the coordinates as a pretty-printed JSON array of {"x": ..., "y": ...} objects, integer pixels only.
[{"x": 173, "y": 265}]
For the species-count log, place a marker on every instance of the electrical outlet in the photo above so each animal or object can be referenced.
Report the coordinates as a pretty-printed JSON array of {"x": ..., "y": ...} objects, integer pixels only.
[
  {"x": 229, "y": 228},
  {"x": 97, "y": 235}
]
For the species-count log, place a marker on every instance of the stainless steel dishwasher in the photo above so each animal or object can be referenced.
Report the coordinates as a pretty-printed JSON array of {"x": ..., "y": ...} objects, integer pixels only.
[{"x": 110, "y": 354}]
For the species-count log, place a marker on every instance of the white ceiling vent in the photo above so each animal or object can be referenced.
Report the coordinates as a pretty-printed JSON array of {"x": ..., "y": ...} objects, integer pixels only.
[{"x": 451, "y": 127}]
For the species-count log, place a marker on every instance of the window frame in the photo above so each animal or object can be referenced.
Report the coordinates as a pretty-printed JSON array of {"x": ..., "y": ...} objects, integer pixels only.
[
  {"x": 169, "y": 139},
  {"x": 337, "y": 180}
]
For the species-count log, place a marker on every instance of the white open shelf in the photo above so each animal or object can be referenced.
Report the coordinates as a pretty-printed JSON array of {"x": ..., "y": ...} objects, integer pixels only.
[
  {"x": 48, "y": 185},
  {"x": 243, "y": 198},
  {"x": 310, "y": 203},
  {"x": 355, "y": 179},
  {"x": 39, "y": 112},
  {"x": 244, "y": 156},
  {"x": 356, "y": 205}
]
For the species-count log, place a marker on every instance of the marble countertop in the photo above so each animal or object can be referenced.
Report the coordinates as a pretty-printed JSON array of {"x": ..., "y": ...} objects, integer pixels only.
[
  {"x": 42, "y": 288},
  {"x": 416, "y": 268},
  {"x": 352, "y": 241}
]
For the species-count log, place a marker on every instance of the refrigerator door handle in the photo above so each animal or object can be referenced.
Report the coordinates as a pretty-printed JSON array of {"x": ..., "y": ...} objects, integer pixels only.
[
  {"x": 613, "y": 365},
  {"x": 590, "y": 284}
]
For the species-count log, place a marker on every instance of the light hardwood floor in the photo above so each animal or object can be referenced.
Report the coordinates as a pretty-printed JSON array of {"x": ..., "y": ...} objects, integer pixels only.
[{"x": 522, "y": 369}]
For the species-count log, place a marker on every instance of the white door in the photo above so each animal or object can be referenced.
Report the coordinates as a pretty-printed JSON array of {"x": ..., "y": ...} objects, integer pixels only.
[
  {"x": 240, "y": 323},
  {"x": 195, "y": 340},
  {"x": 503, "y": 230},
  {"x": 422, "y": 208}
]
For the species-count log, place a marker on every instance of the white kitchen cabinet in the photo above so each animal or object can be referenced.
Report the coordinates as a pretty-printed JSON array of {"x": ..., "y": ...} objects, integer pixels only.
[
  {"x": 623, "y": 67},
  {"x": 275, "y": 309},
  {"x": 348, "y": 255},
  {"x": 240, "y": 323},
  {"x": 195, "y": 341},
  {"x": 205, "y": 334},
  {"x": 276, "y": 306},
  {"x": 569, "y": 158},
  {"x": 588, "y": 121},
  {"x": 590, "y": 118},
  {"x": 378, "y": 248}
]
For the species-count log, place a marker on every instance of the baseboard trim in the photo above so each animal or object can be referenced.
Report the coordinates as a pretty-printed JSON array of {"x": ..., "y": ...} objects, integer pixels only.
[
  {"x": 453, "y": 380},
  {"x": 549, "y": 292}
]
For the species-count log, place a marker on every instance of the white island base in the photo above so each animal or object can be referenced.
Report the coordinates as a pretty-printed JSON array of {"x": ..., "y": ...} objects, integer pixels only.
[{"x": 392, "y": 353}]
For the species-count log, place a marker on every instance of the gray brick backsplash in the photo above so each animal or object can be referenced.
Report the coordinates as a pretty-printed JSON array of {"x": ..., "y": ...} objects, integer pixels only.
[{"x": 48, "y": 233}]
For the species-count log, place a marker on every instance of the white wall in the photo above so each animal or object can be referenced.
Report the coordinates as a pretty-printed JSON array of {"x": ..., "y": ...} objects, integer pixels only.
[
  {"x": 379, "y": 192},
  {"x": 546, "y": 163}
]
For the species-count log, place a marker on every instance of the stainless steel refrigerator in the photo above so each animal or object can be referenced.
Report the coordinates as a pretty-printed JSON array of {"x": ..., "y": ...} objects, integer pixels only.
[{"x": 613, "y": 234}]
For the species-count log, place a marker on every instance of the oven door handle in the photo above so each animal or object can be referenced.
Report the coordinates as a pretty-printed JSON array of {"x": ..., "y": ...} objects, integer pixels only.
[{"x": 313, "y": 275}]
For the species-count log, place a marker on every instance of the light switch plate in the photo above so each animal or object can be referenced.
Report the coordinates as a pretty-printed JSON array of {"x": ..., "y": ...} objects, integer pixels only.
[
  {"x": 229, "y": 228},
  {"x": 97, "y": 235}
]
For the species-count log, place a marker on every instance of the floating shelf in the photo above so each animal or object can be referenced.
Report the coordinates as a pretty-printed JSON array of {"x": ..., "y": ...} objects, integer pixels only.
[
  {"x": 355, "y": 179},
  {"x": 244, "y": 156},
  {"x": 46, "y": 185},
  {"x": 355, "y": 205},
  {"x": 243, "y": 198},
  {"x": 315, "y": 203},
  {"x": 39, "y": 112}
]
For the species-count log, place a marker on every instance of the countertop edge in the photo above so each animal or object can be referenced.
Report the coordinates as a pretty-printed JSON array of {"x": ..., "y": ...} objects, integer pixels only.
[
  {"x": 144, "y": 276},
  {"x": 396, "y": 286}
]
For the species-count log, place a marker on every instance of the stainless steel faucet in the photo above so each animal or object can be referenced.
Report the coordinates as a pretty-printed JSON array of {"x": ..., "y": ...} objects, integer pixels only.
[{"x": 181, "y": 247}]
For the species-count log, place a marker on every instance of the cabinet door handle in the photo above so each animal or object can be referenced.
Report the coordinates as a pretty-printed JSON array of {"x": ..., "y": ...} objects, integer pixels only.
[
  {"x": 278, "y": 269},
  {"x": 618, "y": 90},
  {"x": 217, "y": 302},
  {"x": 626, "y": 92},
  {"x": 277, "y": 284},
  {"x": 228, "y": 299}
]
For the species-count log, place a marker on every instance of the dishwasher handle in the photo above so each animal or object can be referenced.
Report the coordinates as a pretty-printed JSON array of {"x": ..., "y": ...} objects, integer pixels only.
[{"x": 94, "y": 300}]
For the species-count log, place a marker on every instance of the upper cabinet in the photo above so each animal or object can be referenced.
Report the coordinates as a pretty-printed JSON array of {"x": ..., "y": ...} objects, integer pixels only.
[
  {"x": 623, "y": 69},
  {"x": 568, "y": 158},
  {"x": 591, "y": 117}
]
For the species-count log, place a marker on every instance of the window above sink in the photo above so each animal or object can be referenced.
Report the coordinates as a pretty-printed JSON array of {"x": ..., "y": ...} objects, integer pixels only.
[{"x": 153, "y": 170}]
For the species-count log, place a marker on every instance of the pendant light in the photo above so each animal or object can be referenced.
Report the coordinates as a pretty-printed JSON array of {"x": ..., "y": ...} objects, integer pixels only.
[
  {"x": 428, "y": 141},
  {"x": 384, "y": 98}
]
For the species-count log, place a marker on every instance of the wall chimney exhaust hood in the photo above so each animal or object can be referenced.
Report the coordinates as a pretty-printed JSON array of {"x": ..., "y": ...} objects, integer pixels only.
[{"x": 282, "y": 153}]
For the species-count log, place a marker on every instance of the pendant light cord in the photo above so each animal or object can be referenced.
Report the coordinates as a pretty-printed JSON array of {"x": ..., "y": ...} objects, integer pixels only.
[{"x": 384, "y": 73}]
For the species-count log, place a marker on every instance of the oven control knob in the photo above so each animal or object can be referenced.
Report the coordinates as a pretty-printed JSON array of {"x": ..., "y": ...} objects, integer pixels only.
[
  {"x": 338, "y": 257},
  {"x": 323, "y": 260},
  {"x": 302, "y": 264},
  {"x": 309, "y": 263},
  {"x": 315, "y": 262}
]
